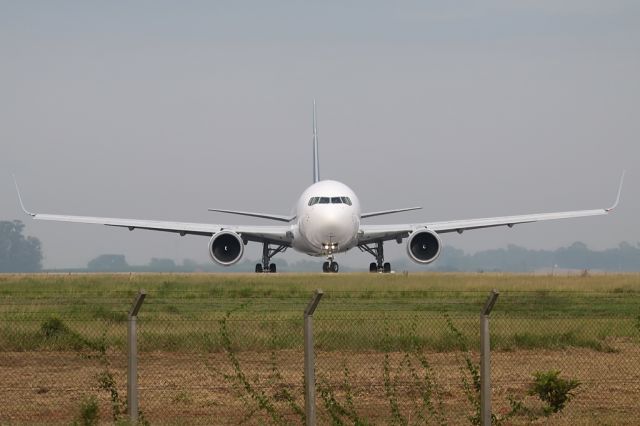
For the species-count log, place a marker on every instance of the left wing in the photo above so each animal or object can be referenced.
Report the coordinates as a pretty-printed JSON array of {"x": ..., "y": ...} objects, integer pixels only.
[
  {"x": 276, "y": 234},
  {"x": 372, "y": 233}
]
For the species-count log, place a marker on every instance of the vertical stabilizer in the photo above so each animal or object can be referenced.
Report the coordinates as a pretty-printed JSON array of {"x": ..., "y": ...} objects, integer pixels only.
[{"x": 316, "y": 160}]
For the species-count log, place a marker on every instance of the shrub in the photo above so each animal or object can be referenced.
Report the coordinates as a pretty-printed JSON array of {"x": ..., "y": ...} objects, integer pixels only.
[
  {"x": 53, "y": 327},
  {"x": 555, "y": 391},
  {"x": 89, "y": 411}
]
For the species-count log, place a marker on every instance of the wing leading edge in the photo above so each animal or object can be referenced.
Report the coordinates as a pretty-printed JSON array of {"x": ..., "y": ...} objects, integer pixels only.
[{"x": 371, "y": 233}]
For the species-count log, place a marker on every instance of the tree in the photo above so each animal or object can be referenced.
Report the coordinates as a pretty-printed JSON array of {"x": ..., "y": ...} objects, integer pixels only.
[
  {"x": 17, "y": 253},
  {"x": 108, "y": 263},
  {"x": 162, "y": 265}
]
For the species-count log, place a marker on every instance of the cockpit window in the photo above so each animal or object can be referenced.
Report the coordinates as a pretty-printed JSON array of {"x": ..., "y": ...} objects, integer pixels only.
[{"x": 329, "y": 200}]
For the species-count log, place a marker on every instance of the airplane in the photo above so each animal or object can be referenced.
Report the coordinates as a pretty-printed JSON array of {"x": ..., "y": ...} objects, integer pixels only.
[{"x": 327, "y": 220}]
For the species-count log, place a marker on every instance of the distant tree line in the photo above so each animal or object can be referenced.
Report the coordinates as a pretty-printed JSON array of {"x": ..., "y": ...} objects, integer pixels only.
[
  {"x": 624, "y": 258},
  {"x": 17, "y": 252}
]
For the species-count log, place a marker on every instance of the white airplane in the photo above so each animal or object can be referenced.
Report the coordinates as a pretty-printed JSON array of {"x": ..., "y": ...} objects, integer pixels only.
[{"x": 327, "y": 220}]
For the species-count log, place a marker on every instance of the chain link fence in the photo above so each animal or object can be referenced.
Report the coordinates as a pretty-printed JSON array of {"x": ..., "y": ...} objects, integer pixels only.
[{"x": 381, "y": 357}]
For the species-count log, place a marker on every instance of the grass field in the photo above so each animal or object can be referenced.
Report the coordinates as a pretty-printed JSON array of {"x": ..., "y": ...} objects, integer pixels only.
[{"x": 379, "y": 339}]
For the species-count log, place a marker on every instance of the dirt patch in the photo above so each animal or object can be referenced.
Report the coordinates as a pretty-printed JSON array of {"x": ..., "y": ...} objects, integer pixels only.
[{"x": 47, "y": 387}]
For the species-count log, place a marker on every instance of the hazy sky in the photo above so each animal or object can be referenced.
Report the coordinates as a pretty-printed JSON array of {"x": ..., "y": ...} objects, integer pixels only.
[{"x": 160, "y": 110}]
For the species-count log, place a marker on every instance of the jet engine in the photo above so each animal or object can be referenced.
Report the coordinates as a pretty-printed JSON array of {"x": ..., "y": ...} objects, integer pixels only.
[
  {"x": 423, "y": 246},
  {"x": 226, "y": 248}
]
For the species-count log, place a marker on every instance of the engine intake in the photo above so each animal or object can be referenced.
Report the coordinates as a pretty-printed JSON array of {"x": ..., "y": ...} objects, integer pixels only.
[
  {"x": 423, "y": 246},
  {"x": 226, "y": 248}
]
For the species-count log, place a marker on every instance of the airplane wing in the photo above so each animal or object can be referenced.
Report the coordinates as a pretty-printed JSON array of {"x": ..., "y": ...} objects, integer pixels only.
[
  {"x": 274, "y": 234},
  {"x": 373, "y": 233}
]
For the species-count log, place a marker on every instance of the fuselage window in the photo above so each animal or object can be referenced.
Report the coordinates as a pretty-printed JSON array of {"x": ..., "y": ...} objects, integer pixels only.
[
  {"x": 313, "y": 201},
  {"x": 346, "y": 200},
  {"x": 336, "y": 200},
  {"x": 324, "y": 200}
]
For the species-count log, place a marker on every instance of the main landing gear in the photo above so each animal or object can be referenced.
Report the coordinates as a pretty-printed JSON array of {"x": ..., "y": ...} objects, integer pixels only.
[
  {"x": 267, "y": 254},
  {"x": 376, "y": 251}
]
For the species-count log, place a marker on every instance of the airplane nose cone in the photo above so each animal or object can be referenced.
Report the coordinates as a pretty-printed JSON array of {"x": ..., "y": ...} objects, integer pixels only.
[
  {"x": 331, "y": 224},
  {"x": 334, "y": 227}
]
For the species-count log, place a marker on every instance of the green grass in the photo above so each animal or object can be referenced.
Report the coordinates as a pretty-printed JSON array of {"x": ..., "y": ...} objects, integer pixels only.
[{"x": 357, "y": 312}]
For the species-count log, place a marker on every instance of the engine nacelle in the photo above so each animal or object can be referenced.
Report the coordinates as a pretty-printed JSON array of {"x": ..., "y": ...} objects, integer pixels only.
[
  {"x": 423, "y": 246},
  {"x": 226, "y": 248}
]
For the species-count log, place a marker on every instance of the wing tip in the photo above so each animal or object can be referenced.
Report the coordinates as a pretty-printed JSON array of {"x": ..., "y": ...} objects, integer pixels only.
[
  {"x": 615, "y": 204},
  {"x": 15, "y": 181}
]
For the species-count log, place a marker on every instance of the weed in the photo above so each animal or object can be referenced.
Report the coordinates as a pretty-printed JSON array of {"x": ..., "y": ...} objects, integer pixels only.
[
  {"x": 470, "y": 378},
  {"x": 553, "y": 390},
  {"x": 107, "y": 382},
  {"x": 283, "y": 393},
  {"x": 263, "y": 401},
  {"x": 54, "y": 327},
  {"x": 427, "y": 385},
  {"x": 519, "y": 409},
  {"x": 89, "y": 411},
  {"x": 334, "y": 408},
  {"x": 389, "y": 385}
]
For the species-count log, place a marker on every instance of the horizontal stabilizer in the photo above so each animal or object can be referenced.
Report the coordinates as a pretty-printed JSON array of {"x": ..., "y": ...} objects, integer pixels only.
[
  {"x": 383, "y": 212},
  {"x": 261, "y": 215}
]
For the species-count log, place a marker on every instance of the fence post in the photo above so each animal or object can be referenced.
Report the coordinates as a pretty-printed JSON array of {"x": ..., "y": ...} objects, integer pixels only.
[
  {"x": 132, "y": 369},
  {"x": 485, "y": 359},
  {"x": 309, "y": 360}
]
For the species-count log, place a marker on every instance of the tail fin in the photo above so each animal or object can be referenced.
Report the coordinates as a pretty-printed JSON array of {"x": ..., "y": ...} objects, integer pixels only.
[{"x": 316, "y": 160}]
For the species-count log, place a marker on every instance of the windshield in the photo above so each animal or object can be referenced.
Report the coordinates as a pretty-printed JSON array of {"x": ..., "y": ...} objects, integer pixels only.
[{"x": 330, "y": 200}]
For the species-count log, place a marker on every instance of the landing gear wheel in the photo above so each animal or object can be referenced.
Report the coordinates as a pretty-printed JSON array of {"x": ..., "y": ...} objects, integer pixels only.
[
  {"x": 325, "y": 267},
  {"x": 272, "y": 268},
  {"x": 258, "y": 268},
  {"x": 386, "y": 268},
  {"x": 334, "y": 267},
  {"x": 373, "y": 267}
]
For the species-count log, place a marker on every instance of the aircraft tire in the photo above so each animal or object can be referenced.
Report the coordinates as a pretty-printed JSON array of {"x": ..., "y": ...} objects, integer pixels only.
[
  {"x": 258, "y": 268},
  {"x": 387, "y": 268},
  {"x": 325, "y": 267},
  {"x": 373, "y": 267},
  {"x": 272, "y": 268},
  {"x": 334, "y": 267}
]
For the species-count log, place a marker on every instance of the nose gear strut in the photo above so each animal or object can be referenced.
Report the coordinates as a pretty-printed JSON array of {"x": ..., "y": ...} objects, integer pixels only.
[{"x": 330, "y": 265}]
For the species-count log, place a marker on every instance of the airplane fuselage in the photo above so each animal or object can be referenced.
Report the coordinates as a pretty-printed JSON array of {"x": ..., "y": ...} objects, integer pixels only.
[{"x": 327, "y": 219}]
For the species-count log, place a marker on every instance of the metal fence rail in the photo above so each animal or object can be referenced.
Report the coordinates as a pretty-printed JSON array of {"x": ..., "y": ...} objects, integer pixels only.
[{"x": 369, "y": 357}]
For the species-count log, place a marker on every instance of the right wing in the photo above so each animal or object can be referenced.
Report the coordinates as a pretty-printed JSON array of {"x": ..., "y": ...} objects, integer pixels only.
[{"x": 275, "y": 234}]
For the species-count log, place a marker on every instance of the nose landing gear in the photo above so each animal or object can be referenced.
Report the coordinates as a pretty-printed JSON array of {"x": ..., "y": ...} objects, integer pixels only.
[
  {"x": 378, "y": 252},
  {"x": 331, "y": 265}
]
